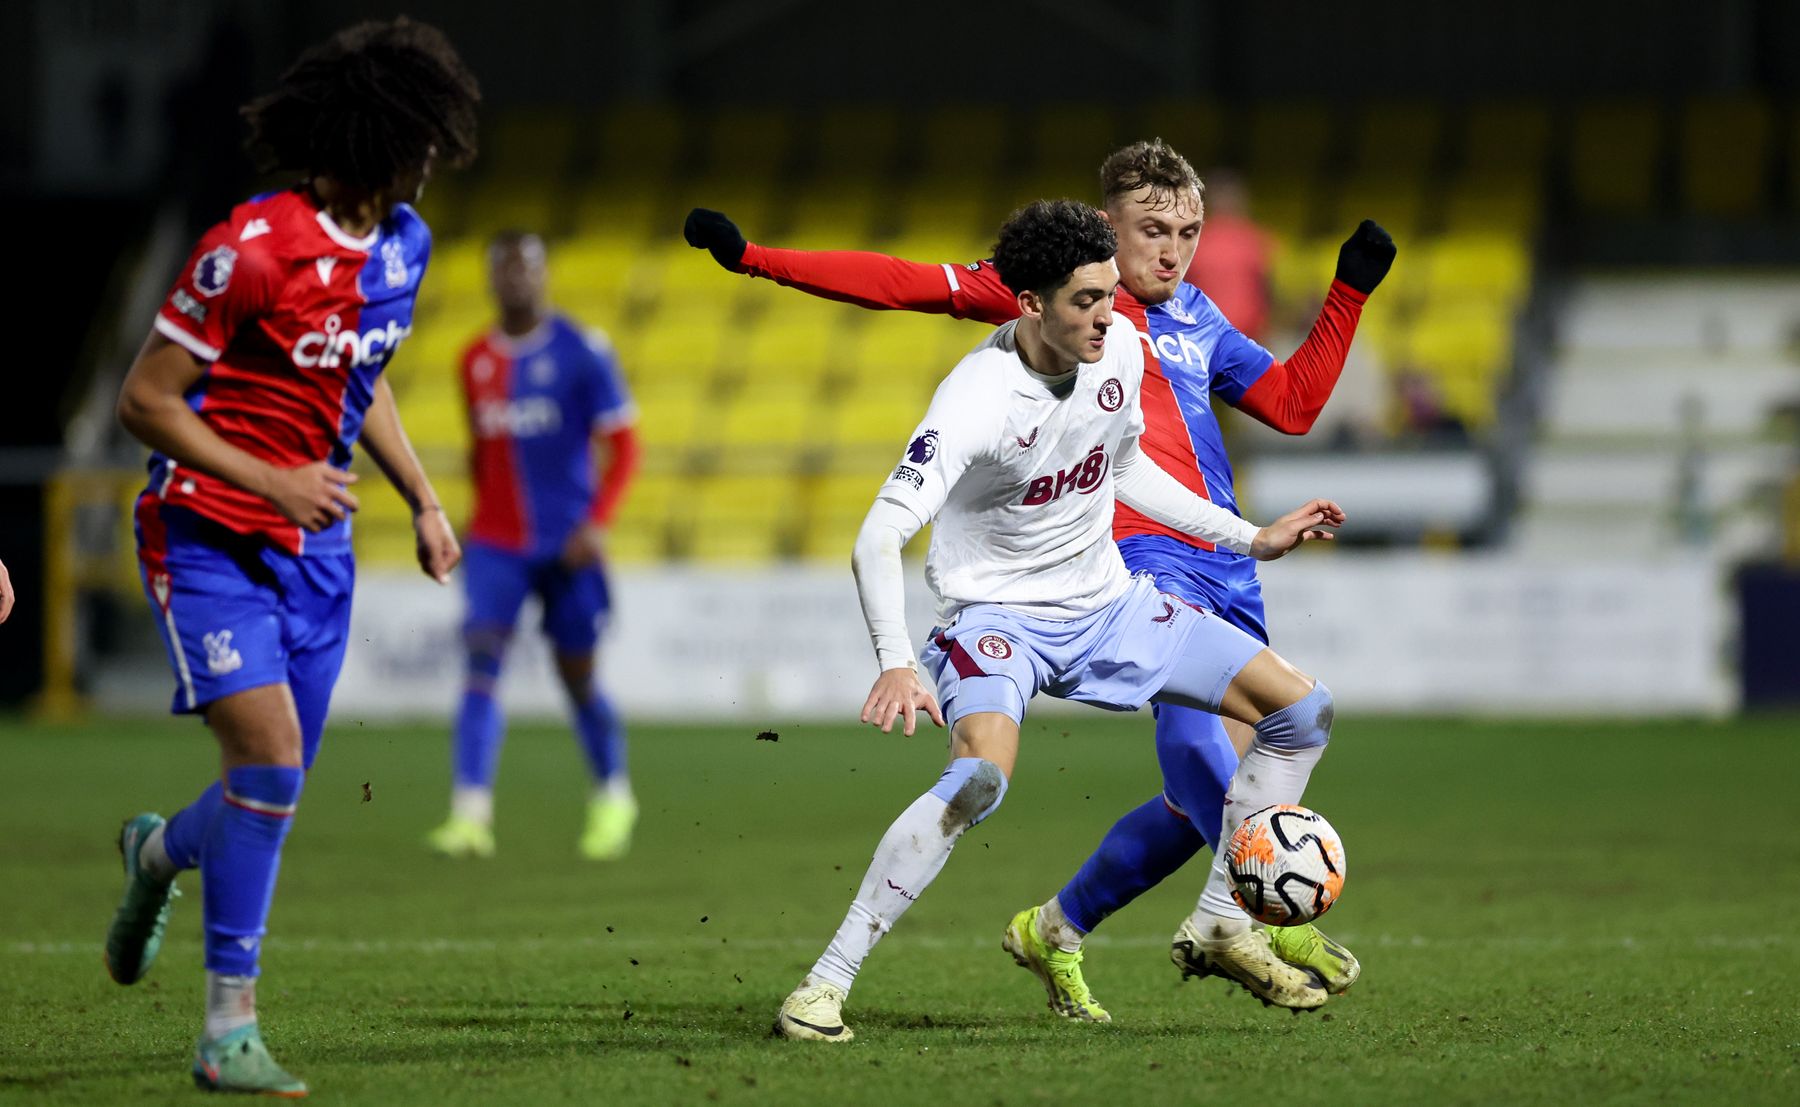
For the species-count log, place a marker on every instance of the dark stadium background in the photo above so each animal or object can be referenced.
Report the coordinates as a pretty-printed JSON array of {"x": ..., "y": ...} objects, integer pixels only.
[{"x": 67, "y": 237}]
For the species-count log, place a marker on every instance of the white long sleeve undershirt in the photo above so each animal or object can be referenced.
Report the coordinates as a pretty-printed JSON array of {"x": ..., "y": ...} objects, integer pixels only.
[
  {"x": 881, "y": 581},
  {"x": 1142, "y": 485}
]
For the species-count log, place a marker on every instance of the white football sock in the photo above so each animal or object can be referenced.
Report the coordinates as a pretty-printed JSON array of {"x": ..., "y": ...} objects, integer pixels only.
[
  {"x": 474, "y": 804},
  {"x": 910, "y": 856},
  {"x": 153, "y": 856},
  {"x": 1054, "y": 927},
  {"x": 616, "y": 787},
  {"x": 230, "y": 1003},
  {"x": 1266, "y": 776}
]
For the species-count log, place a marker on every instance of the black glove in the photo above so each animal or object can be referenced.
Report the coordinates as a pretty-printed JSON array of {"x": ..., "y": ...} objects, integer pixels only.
[
  {"x": 1362, "y": 261},
  {"x": 711, "y": 230}
]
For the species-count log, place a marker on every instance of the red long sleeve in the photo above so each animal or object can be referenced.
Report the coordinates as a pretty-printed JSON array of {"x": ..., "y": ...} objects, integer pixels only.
[
  {"x": 873, "y": 280},
  {"x": 1290, "y": 394},
  {"x": 623, "y": 451}
]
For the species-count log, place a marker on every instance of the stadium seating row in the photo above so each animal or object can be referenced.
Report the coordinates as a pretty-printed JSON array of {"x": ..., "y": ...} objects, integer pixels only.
[{"x": 766, "y": 414}]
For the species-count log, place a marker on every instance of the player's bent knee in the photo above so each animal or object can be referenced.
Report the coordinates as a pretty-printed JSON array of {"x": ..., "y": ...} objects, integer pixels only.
[
  {"x": 971, "y": 788},
  {"x": 1302, "y": 725}
]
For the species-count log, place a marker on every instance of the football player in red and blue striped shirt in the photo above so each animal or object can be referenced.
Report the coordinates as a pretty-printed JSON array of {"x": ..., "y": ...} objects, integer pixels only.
[
  {"x": 261, "y": 376},
  {"x": 554, "y": 448},
  {"x": 1193, "y": 358}
]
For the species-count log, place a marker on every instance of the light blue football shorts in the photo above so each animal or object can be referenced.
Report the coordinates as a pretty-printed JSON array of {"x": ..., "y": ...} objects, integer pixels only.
[{"x": 1146, "y": 645}]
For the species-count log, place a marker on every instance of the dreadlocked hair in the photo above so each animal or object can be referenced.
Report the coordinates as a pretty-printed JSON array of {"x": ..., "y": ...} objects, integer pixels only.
[{"x": 367, "y": 105}]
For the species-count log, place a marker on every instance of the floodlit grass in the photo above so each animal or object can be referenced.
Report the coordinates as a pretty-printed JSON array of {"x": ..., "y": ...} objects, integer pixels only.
[{"x": 1588, "y": 912}]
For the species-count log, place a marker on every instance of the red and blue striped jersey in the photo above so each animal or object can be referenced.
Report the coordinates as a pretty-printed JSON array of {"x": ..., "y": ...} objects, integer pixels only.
[
  {"x": 535, "y": 403},
  {"x": 1191, "y": 352},
  {"x": 296, "y": 319}
]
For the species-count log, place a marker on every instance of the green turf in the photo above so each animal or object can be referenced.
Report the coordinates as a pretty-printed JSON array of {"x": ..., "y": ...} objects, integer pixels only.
[{"x": 1547, "y": 913}]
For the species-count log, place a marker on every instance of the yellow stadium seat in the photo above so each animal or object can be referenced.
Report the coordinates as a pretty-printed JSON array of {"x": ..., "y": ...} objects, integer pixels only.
[
  {"x": 1290, "y": 137},
  {"x": 1195, "y": 129},
  {"x": 876, "y": 419},
  {"x": 743, "y": 519},
  {"x": 1399, "y": 138},
  {"x": 535, "y": 204},
  {"x": 1613, "y": 158},
  {"x": 1471, "y": 344},
  {"x": 1302, "y": 271},
  {"x": 1724, "y": 156},
  {"x": 1281, "y": 204},
  {"x": 1486, "y": 267},
  {"x": 856, "y": 140},
  {"x": 947, "y": 219},
  {"x": 1072, "y": 183},
  {"x": 436, "y": 419},
  {"x": 1493, "y": 202},
  {"x": 795, "y": 349},
  {"x": 742, "y": 143},
  {"x": 763, "y": 421},
  {"x": 835, "y": 213},
  {"x": 964, "y": 141},
  {"x": 1397, "y": 203},
  {"x": 669, "y": 420},
  {"x": 458, "y": 267},
  {"x": 527, "y": 144},
  {"x": 629, "y": 212},
  {"x": 640, "y": 141},
  {"x": 1511, "y": 137},
  {"x": 836, "y": 507},
  {"x": 1071, "y": 139},
  {"x": 592, "y": 279}
]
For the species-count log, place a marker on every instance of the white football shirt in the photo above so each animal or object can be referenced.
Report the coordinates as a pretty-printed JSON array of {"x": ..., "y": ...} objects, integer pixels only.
[{"x": 1019, "y": 480}]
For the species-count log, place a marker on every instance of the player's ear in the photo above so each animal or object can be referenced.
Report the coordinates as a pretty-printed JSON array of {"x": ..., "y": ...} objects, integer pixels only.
[{"x": 1031, "y": 305}]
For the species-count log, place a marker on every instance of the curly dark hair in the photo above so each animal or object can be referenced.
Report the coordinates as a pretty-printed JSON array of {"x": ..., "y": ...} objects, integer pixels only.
[
  {"x": 1153, "y": 165},
  {"x": 366, "y": 106},
  {"x": 1043, "y": 243}
]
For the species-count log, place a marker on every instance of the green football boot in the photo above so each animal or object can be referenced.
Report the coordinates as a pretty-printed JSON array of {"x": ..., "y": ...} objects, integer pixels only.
[
  {"x": 136, "y": 934},
  {"x": 460, "y": 837},
  {"x": 239, "y": 1062},
  {"x": 610, "y": 820},
  {"x": 1058, "y": 969},
  {"x": 1308, "y": 948}
]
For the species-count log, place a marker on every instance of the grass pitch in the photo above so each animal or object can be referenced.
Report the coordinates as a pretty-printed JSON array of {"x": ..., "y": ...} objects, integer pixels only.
[{"x": 1547, "y": 913}]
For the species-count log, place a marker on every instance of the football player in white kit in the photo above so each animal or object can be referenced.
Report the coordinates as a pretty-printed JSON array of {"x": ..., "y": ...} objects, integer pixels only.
[{"x": 1018, "y": 459}]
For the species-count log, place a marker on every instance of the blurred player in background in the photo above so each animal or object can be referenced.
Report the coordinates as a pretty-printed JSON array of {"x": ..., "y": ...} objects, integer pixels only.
[
  {"x": 1232, "y": 257},
  {"x": 1192, "y": 355},
  {"x": 554, "y": 450},
  {"x": 1017, "y": 460},
  {"x": 262, "y": 374}
]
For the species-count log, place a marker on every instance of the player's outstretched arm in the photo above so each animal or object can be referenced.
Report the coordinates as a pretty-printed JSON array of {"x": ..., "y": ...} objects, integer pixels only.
[
  {"x": 881, "y": 586},
  {"x": 1141, "y": 484},
  {"x": 1306, "y": 523},
  {"x": 1290, "y": 394},
  {"x": 386, "y": 441},
  {"x": 857, "y": 277},
  {"x": 153, "y": 407}
]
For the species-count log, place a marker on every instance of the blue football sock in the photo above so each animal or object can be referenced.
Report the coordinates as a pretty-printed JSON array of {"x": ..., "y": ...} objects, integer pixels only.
[
  {"x": 480, "y": 723},
  {"x": 240, "y": 860},
  {"x": 602, "y": 736},
  {"x": 480, "y": 729},
  {"x": 1140, "y": 850},
  {"x": 186, "y": 831}
]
